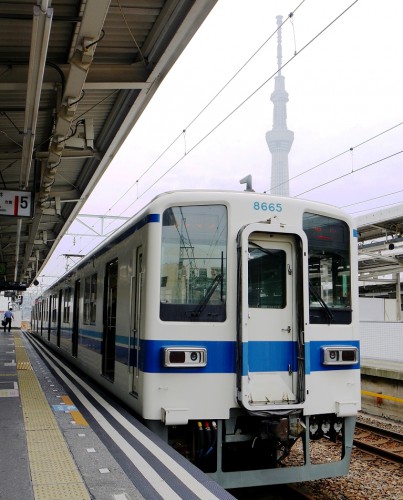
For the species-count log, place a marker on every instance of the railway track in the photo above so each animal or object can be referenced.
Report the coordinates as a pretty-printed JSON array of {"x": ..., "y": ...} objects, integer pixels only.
[
  {"x": 278, "y": 492},
  {"x": 379, "y": 442}
]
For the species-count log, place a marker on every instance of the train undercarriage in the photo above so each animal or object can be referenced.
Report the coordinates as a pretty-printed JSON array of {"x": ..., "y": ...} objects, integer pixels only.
[{"x": 248, "y": 442}]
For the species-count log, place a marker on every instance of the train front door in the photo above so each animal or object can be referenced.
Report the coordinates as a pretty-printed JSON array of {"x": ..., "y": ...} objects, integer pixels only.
[{"x": 267, "y": 325}]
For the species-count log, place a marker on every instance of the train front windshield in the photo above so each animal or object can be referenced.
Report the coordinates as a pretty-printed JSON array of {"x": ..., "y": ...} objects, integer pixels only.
[
  {"x": 193, "y": 263},
  {"x": 329, "y": 269}
]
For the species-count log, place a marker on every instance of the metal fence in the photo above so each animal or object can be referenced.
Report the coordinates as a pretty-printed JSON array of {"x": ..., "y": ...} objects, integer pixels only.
[{"x": 382, "y": 340}]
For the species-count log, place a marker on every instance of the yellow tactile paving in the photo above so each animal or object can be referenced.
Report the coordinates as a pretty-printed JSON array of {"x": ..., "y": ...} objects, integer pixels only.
[
  {"x": 24, "y": 365},
  {"x": 43, "y": 436},
  {"x": 53, "y": 470},
  {"x": 52, "y": 476},
  {"x": 44, "y": 465},
  {"x": 52, "y": 492}
]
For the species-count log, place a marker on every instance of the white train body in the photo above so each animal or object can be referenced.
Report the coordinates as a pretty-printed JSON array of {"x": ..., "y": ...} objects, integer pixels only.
[{"x": 224, "y": 319}]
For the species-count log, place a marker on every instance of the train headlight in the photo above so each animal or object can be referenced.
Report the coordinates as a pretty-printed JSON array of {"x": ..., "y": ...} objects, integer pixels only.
[
  {"x": 184, "y": 357},
  {"x": 339, "y": 355}
]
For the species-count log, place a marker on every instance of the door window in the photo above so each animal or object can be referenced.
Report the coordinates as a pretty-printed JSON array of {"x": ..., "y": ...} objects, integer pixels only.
[{"x": 266, "y": 278}]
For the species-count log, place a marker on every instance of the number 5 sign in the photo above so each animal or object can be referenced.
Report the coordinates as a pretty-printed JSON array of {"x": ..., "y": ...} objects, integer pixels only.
[{"x": 15, "y": 203}]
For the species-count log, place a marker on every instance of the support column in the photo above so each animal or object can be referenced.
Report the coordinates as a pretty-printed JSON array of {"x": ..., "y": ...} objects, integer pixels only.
[{"x": 398, "y": 299}]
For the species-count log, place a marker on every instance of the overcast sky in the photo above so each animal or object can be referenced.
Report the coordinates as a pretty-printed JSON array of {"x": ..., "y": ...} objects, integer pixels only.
[{"x": 344, "y": 76}]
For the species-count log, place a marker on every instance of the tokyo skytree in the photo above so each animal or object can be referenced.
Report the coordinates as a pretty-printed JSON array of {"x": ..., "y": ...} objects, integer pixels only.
[{"x": 279, "y": 139}]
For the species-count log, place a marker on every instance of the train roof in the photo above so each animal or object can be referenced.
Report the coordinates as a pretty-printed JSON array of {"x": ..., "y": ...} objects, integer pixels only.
[{"x": 146, "y": 215}]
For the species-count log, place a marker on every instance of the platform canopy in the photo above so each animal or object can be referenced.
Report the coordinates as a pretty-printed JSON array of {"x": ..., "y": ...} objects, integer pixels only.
[
  {"x": 75, "y": 76},
  {"x": 380, "y": 249}
]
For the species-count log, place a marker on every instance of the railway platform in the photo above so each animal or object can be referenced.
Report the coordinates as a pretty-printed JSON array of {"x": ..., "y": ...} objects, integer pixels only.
[
  {"x": 382, "y": 388},
  {"x": 50, "y": 451}
]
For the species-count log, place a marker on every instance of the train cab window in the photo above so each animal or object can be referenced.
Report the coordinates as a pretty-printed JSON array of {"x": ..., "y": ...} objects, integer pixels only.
[
  {"x": 329, "y": 269},
  {"x": 193, "y": 264}
]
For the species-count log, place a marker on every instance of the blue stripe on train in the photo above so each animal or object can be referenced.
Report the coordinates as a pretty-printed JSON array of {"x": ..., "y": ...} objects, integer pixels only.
[
  {"x": 259, "y": 356},
  {"x": 314, "y": 355},
  {"x": 269, "y": 356},
  {"x": 221, "y": 357}
]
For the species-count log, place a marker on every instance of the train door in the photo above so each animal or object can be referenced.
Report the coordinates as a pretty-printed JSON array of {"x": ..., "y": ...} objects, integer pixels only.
[
  {"x": 76, "y": 317},
  {"x": 267, "y": 323},
  {"x": 135, "y": 318},
  {"x": 59, "y": 318},
  {"x": 41, "y": 306},
  {"x": 109, "y": 334},
  {"x": 49, "y": 314}
]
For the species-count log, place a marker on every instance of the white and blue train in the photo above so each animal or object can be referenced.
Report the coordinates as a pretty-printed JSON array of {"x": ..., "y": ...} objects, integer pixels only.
[{"x": 228, "y": 322}]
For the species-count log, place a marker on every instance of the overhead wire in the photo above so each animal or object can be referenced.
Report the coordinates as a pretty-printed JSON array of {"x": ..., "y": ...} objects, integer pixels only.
[
  {"x": 377, "y": 208},
  {"x": 184, "y": 130},
  {"x": 349, "y": 150},
  {"x": 183, "y": 133},
  {"x": 350, "y": 173},
  {"x": 246, "y": 100},
  {"x": 372, "y": 199},
  {"x": 296, "y": 53}
]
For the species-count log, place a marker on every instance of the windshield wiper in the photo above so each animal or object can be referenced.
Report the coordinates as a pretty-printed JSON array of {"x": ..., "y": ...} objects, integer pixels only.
[
  {"x": 208, "y": 295},
  {"x": 328, "y": 312},
  {"x": 267, "y": 251}
]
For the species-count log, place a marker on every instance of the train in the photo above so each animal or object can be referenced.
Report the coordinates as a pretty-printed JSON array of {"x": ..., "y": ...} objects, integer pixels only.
[{"x": 228, "y": 322}]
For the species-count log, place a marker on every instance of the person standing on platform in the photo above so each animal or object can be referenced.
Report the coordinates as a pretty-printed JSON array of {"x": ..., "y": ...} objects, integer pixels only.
[{"x": 8, "y": 317}]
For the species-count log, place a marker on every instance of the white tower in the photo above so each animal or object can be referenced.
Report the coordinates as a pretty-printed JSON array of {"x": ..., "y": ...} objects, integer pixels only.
[{"x": 279, "y": 139}]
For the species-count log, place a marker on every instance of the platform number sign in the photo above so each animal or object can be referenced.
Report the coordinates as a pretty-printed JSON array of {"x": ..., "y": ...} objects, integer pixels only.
[{"x": 15, "y": 203}]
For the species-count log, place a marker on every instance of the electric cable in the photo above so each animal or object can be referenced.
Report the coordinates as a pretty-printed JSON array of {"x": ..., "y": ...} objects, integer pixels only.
[
  {"x": 236, "y": 108},
  {"x": 131, "y": 34},
  {"x": 349, "y": 150},
  {"x": 350, "y": 173},
  {"x": 10, "y": 138},
  {"x": 206, "y": 107},
  {"x": 96, "y": 41},
  {"x": 397, "y": 203},
  {"x": 244, "y": 101},
  {"x": 371, "y": 199},
  {"x": 3, "y": 113},
  {"x": 200, "y": 112},
  {"x": 95, "y": 105}
]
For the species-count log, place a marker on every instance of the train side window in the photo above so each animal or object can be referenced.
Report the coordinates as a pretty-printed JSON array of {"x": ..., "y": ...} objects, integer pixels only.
[
  {"x": 90, "y": 299},
  {"x": 329, "y": 269},
  {"x": 54, "y": 308},
  {"x": 194, "y": 264},
  {"x": 66, "y": 305}
]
